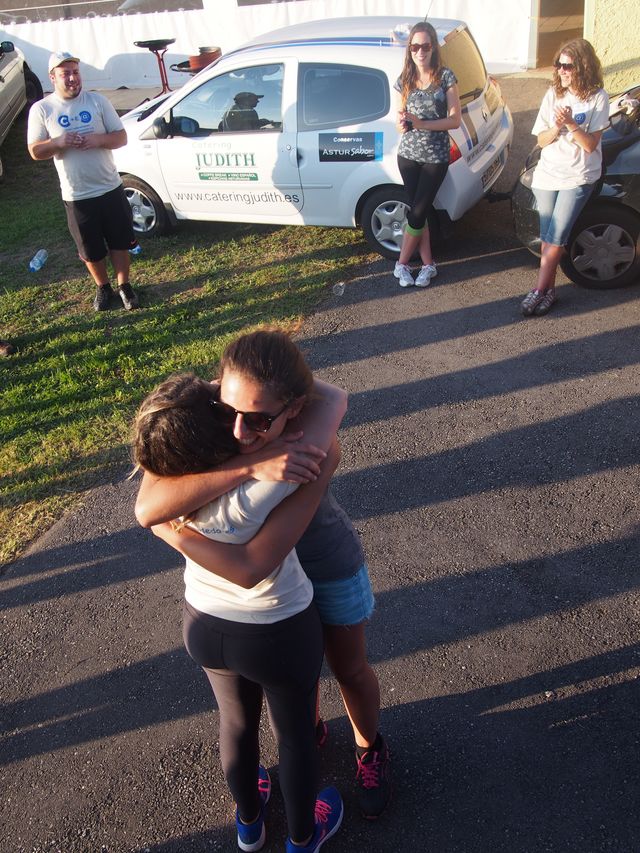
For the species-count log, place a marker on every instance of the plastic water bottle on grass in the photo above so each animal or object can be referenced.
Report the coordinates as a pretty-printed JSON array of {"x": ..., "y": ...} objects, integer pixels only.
[{"x": 38, "y": 260}]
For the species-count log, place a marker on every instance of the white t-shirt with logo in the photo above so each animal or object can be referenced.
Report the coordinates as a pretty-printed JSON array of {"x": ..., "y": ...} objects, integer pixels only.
[
  {"x": 82, "y": 173},
  {"x": 236, "y": 517},
  {"x": 563, "y": 163}
]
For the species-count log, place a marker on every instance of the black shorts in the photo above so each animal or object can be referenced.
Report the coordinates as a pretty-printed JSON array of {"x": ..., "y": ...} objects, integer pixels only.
[{"x": 101, "y": 223}]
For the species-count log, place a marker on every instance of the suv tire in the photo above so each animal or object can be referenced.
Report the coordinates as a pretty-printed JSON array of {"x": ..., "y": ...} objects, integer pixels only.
[
  {"x": 33, "y": 87},
  {"x": 604, "y": 248}
]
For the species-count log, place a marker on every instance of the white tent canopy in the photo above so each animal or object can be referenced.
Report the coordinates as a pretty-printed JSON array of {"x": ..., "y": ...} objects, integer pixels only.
[{"x": 105, "y": 43}]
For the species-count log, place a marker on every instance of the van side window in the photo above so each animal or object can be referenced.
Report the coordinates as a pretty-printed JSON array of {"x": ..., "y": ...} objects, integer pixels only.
[
  {"x": 335, "y": 95},
  {"x": 247, "y": 99}
]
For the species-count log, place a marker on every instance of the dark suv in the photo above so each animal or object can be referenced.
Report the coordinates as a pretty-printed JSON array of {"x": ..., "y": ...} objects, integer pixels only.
[{"x": 604, "y": 245}]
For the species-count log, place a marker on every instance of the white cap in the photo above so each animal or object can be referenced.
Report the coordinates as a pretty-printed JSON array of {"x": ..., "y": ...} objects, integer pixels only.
[{"x": 59, "y": 57}]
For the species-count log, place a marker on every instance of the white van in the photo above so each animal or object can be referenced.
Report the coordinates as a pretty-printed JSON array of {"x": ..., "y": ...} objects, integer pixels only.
[{"x": 298, "y": 127}]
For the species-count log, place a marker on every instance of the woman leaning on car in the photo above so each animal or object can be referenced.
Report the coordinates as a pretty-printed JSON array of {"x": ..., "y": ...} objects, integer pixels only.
[
  {"x": 429, "y": 107},
  {"x": 573, "y": 114}
]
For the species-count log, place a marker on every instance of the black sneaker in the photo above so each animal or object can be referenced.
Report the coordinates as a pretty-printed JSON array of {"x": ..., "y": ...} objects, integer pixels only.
[
  {"x": 374, "y": 781},
  {"x": 129, "y": 299},
  {"x": 103, "y": 298}
]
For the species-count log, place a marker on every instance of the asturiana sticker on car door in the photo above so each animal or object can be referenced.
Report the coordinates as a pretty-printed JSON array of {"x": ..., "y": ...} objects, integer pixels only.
[{"x": 339, "y": 148}]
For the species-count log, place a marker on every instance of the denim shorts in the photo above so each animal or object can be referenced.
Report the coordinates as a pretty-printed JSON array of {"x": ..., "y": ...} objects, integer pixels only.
[
  {"x": 347, "y": 601},
  {"x": 558, "y": 211}
]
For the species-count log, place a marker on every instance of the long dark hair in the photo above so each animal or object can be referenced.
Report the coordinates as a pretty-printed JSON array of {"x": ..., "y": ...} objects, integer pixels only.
[
  {"x": 409, "y": 75},
  {"x": 270, "y": 357},
  {"x": 176, "y": 431},
  {"x": 586, "y": 78}
]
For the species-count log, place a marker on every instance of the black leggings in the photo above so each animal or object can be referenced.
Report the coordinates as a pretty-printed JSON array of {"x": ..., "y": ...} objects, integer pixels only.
[
  {"x": 422, "y": 182},
  {"x": 282, "y": 660}
]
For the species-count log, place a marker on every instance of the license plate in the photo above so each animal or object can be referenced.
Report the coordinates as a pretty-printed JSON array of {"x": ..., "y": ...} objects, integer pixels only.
[{"x": 490, "y": 172}]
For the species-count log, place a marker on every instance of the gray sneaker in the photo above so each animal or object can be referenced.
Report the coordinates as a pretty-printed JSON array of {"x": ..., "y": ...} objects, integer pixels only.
[
  {"x": 548, "y": 298},
  {"x": 533, "y": 298}
]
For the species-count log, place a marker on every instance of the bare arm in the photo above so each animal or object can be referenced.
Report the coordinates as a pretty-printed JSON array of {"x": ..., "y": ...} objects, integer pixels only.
[
  {"x": 47, "y": 148},
  {"x": 450, "y": 122},
  {"x": 164, "y": 498},
  {"x": 563, "y": 117},
  {"x": 246, "y": 565},
  {"x": 113, "y": 140}
]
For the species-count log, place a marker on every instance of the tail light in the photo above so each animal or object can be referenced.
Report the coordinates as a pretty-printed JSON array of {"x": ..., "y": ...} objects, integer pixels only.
[{"x": 454, "y": 151}]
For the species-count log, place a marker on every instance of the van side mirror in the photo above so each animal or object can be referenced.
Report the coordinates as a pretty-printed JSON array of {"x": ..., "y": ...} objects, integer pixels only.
[
  {"x": 7, "y": 47},
  {"x": 161, "y": 128}
]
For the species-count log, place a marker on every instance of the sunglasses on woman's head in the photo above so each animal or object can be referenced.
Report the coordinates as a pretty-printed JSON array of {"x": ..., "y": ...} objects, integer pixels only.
[
  {"x": 565, "y": 66},
  {"x": 426, "y": 47},
  {"x": 256, "y": 421}
]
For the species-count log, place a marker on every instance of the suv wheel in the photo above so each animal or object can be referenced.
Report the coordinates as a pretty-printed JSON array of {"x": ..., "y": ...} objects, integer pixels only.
[
  {"x": 384, "y": 216},
  {"x": 149, "y": 216},
  {"x": 604, "y": 248}
]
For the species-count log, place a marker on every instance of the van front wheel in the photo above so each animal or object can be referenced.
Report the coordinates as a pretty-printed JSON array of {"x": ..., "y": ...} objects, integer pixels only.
[
  {"x": 149, "y": 216},
  {"x": 384, "y": 216}
]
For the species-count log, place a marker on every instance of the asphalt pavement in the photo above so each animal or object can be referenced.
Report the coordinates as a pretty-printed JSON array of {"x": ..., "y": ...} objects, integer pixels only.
[{"x": 490, "y": 464}]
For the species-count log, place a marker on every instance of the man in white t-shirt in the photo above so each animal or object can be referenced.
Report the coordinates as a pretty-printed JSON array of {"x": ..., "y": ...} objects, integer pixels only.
[{"x": 79, "y": 130}]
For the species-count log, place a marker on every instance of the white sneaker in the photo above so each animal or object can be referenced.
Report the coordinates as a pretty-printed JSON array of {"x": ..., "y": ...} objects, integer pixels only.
[
  {"x": 427, "y": 272},
  {"x": 403, "y": 274}
]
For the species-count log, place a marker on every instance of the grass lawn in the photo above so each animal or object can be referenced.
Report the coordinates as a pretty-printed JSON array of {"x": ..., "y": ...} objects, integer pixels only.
[{"x": 68, "y": 395}]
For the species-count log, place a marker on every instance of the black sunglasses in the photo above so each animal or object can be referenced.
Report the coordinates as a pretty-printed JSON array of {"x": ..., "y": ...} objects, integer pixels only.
[
  {"x": 256, "y": 421},
  {"x": 426, "y": 47},
  {"x": 566, "y": 66}
]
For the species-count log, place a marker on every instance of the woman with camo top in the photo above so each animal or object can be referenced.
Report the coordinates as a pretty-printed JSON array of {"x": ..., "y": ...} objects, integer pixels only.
[{"x": 429, "y": 107}]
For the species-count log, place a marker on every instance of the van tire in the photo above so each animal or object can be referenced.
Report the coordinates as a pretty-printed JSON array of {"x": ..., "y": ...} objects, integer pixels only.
[
  {"x": 149, "y": 216},
  {"x": 384, "y": 216}
]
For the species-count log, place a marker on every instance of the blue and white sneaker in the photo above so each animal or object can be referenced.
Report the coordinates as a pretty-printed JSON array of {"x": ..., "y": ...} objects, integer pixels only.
[
  {"x": 328, "y": 817},
  {"x": 403, "y": 273},
  {"x": 427, "y": 272},
  {"x": 251, "y": 836}
]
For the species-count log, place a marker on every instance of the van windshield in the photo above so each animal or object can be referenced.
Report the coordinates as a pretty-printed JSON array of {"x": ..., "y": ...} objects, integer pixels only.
[{"x": 460, "y": 53}]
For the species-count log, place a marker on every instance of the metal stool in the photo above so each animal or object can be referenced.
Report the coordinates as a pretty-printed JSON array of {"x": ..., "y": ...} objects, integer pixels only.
[{"x": 159, "y": 48}]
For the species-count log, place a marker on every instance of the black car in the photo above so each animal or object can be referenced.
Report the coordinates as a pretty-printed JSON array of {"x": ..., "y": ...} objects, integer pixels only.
[{"x": 604, "y": 245}]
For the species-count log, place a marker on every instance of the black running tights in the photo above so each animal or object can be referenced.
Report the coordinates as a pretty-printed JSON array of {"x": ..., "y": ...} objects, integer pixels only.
[
  {"x": 422, "y": 182},
  {"x": 281, "y": 660}
]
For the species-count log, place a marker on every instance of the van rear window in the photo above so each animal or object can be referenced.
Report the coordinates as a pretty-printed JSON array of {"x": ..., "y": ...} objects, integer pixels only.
[
  {"x": 460, "y": 53},
  {"x": 332, "y": 95}
]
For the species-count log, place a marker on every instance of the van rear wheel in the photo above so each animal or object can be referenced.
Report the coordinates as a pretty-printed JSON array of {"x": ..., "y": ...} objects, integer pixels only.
[{"x": 384, "y": 216}]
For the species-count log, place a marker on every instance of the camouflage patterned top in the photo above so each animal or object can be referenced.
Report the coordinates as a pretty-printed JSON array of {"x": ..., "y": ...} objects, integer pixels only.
[{"x": 428, "y": 146}]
